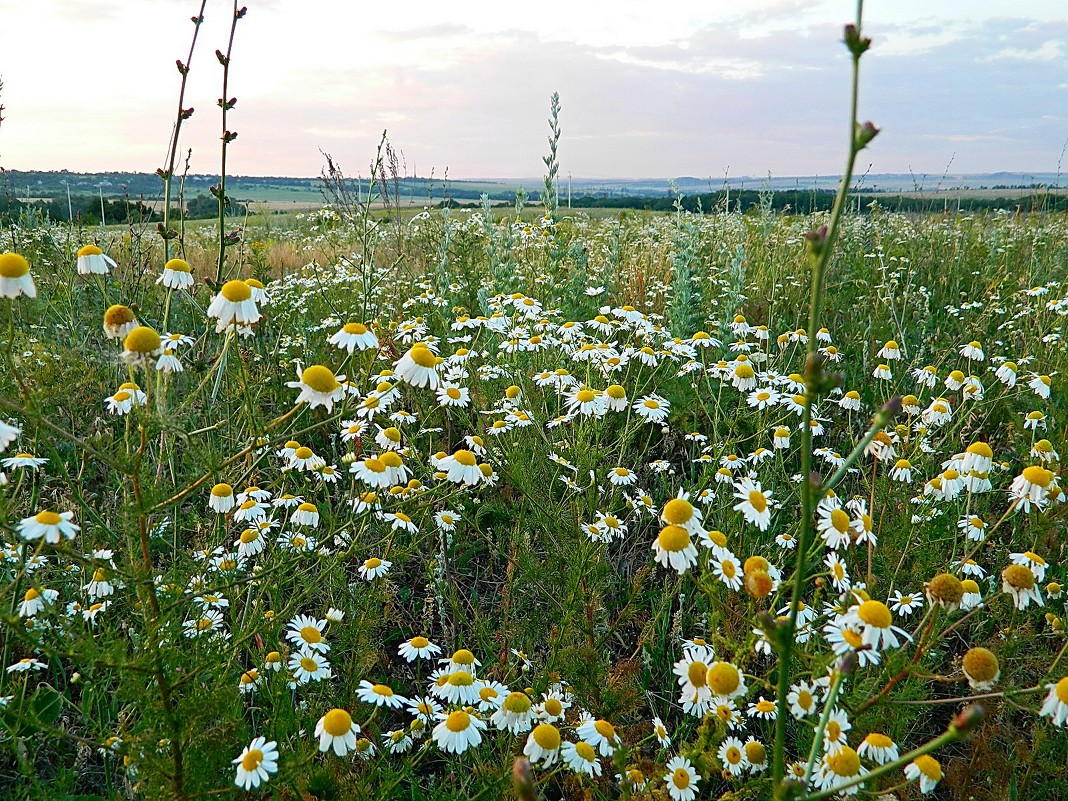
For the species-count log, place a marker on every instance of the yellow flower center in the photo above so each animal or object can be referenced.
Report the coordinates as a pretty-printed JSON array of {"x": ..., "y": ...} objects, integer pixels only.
[
  {"x": 252, "y": 760},
  {"x": 1018, "y": 577},
  {"x": 929, "y": 767},
  {"x": 605, "y": 729},
  {"x": 311, "y": 634},
  {"x": 1039, "y": 476},
  {"x": 118, "y": 315},
  {"x": 47, "y": 518},
  {"x": 585, "y": 750},
  {"x": 755, "y": 752},
  {"x": 464, "y": 457},
  {"x": 547, "y": 736},
  {"x": 517, "y": 703},
  {"x": 373, "y": 563},
  {"x": 461, "y": 678},
  {"x": 585, "y": 396},
  {"x": 319, "y": 378},
  {"x": 99, "y": 574},
  {"x": 355, "y": 328},
  {"x": 419, "y": 642},
  {"x": 980, "y": 664},
  {"x": 678, "y": 511},
  {"x": 337, "y": 722},
  {"x": 12, "y": 265},
  {"x": 177, "y": 266},
  {"x": 236, "y": 291},
  {"x": 875, "y": 613},
  {"x": 554, "y": 707},
  {"x": 309, "y": 664},
  {"x": 681, "y": 778},
  {"x": 840, "y": 521},
  {"x": 947, "y": 588},
  {"x": 1061, "y": 690},
  {"x": 673, "y": 539},
  {"x": 249, "y": 535},
  {"x": 845, "y": 763},
  {"x": 723, "y": 678},
  {"x": 458, "y": 721},
  {"x": 423, "y": 356},
  {"x": 758, "y": 501},
  {"x": 384, "y": 690},
  {"x": 31, "y": 595}
]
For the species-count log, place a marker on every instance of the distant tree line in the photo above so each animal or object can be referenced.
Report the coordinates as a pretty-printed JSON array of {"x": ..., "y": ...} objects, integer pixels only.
[{"x": 86, "y": 209}]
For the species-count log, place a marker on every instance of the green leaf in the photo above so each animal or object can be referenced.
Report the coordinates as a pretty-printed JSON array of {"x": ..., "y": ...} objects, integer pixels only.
[{"x": 46, "y": 704}]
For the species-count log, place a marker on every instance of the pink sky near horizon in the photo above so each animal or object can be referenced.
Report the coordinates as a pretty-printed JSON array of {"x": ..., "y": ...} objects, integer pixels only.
[{"x": 690, "y": 89}]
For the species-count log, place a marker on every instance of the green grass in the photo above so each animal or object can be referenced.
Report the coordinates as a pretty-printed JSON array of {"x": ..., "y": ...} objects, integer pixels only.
[{"x": 520, "y": 574}]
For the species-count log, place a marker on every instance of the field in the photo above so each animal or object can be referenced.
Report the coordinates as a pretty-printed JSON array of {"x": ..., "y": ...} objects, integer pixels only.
[{"x": 587, "y": 480}]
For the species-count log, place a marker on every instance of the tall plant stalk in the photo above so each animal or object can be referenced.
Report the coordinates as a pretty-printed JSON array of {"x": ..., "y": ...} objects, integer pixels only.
[
  {"x": 167, "y": 172},
  {"x": 819, "y": 247},
  {"x": 225, "y": 103}
]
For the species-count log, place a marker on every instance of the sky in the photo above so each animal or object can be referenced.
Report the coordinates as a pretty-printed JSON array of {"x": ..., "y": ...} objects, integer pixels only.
[{"x": 702, "y": 88}]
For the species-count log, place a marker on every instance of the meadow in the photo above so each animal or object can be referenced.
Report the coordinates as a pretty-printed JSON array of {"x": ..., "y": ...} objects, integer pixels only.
[{"x": 386, "y": 503}]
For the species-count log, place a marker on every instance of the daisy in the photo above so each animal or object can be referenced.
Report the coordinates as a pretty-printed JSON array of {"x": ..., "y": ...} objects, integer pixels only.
[
  {"x": 24, "y": 460},
  {"x": 600, "y": 734},
  {"x": 306, "y": 514},
  {"x": 652, "y": 408},
  {"x": 374, "y": 568},
  {"x": 981, "y": 668},
  {"x": 1006, "y": 374},
  {"x": 380, "y": 695},
  {"x": 1055, "y": 707},
  {"x": 725, "y": 680},
  {"x": 580, "y": 758},
  {"x": 418, "y": 648},
  {"x": 306, "y": 632},
  {"x": 337, "y": 730},
  {"x": 93, "y": 261},
  {"x": 515, "y": 713},
  {"x": 308, "y": 666},
  {"x": 418, "y": 367},
  {"x": 728, "y": 569},
  {"x": 353, "y": 336},
  {"x": 15, "y": 278},
  {"x": 543, "y": 744},
  {"x": 176, "y": 275},
  {"x": 458, "y": 731},
  {"x": 682, "y": 779},
  {"x": 674, "y": 549},
  {"x": 753, "y": 503},
  {"x": 878, "y": 748},
  {"x": 927, "y": 770},
  {"x": 318, "y": 387},
  {"x": 802, "y": 700},
  {"x": 233, "y": 306},
  {"x": 461, "y": 468},
  {"x": 835, "y": 527},
  {"x": 972, "y": 350},
  {"x": 454, "y": 396},
  {"x": 49, "y": 525},
  {"x": 8, "y": 434},
  {"x": 34, "y": 601},
  {"x": 905, "y": 604},
  {"x": 1019, "y": 582},
  {"x": 732, "y": 754}
]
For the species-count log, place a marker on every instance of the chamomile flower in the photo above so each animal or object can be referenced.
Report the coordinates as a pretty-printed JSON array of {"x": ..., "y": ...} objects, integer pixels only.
[
  {"x": 925, "y": 768},
  {"x": 753, "y": 503},
  {"x": 374, "y": 568},
  {"x": 802, "y": 700},
  {"x": 1054, "y": 707},
  {"x": 580, "y": 758},
  {"x": 306, "y": 632},
  {"x": 879, "y": 748},
  {"x": 652, "y": 408},
  {"x": 353, "y": 336},
  {"x": 318, "y": 387},
  {"x": 418, "y": 647},
  {"x": 458, "y": 731},
  {"x": 682, "y": 779},
  {"x": 337, "y": 730},
  {"x": 15, "y": 278},
  {"x": 674, "y": 549},
  {"x": 176, "y": 274},
  {"x": 233, "y": 306},
  {"x": 380, "y": 695},
  {"x": 981, "y": 668},
  {"x": 418, "y": 366},
  {"x": 543, "y": 744},
  {"x": 600, "y": 734},
  {"x": 307, "y": 666},
  {"x": 34, "y": 601},
  {"x": 93, "y": 261},
  {"x": 48, "y": 525},
  {"x": 732, "y": 754},
  {"x": 1019, "y": 582}
]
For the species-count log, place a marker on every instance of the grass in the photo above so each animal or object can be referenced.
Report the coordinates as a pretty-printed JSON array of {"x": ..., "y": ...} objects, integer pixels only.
[{"x": 520, "y": 579}]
